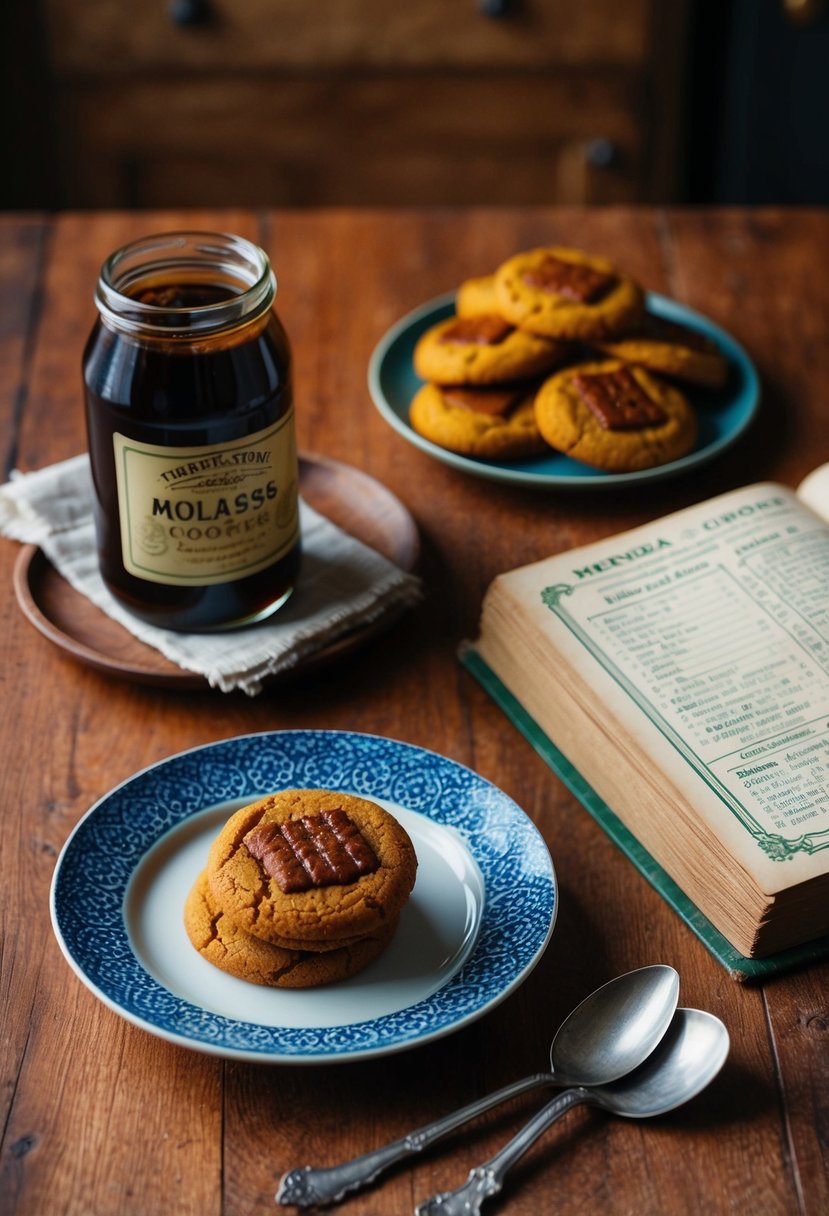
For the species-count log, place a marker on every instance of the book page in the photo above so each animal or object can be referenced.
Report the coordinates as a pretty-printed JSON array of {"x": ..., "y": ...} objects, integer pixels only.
[
  {"x": 714, "y": 622},
  {"x": 814, "y": 491}
]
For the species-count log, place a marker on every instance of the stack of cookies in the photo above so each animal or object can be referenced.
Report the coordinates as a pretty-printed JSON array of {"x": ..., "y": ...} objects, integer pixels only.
[
  {"x": 557, "y": 350},
  {"x": 302, "y": 888}
]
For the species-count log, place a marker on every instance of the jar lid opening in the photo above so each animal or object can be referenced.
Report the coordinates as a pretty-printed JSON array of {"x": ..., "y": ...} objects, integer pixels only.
[{"x": 180, "y": 284}]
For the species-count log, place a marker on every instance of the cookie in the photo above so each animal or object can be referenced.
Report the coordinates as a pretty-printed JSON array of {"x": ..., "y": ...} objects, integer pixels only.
[
  {"x": 671, "y": 349},
  {"x": 614, "y": 416},
  {"x": 483, "y": 349},
  {"x": 564, "y": 293},
  {"x": 485, "y": 422},
  {"x": 316, "y": 946},
  {"x": 311, "y": 865},
  {"x": 221, "y": 942},
  {"x": 475, "y": 296}
]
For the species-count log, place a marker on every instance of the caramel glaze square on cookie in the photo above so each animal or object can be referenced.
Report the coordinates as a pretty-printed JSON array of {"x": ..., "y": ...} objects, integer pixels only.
[
  {"x": 618, "y": 400},
  {"x": 315, "y": 851},
  {"x": 255, "y": 863}
]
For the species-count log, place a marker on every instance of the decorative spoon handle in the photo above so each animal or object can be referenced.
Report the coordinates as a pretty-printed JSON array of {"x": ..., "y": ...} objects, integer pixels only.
[
  {"x": 307, "y": 1186},
  {"x": 487, "y": 1179}
]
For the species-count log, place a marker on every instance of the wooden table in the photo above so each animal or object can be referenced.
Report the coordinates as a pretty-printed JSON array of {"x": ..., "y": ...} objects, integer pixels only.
[{"x": 101, "y": 1117}]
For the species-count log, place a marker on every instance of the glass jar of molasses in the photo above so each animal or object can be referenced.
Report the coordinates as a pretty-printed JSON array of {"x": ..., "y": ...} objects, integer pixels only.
[{"x": 191, "y": 433}]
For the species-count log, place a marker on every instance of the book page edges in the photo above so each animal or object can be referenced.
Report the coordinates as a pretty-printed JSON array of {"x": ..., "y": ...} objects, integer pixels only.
[
  {"x": 623, "y": 721},
  {"x": 740, "y": 967},
  {"x": 633, "y": 801}
]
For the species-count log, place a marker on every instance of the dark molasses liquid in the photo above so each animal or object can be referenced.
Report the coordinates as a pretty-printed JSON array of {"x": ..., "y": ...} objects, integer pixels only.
[{"x": 151, "y": 399}]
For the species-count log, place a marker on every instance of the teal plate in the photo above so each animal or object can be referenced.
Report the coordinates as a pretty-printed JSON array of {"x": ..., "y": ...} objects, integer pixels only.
[{"x": 722, "y": 416}]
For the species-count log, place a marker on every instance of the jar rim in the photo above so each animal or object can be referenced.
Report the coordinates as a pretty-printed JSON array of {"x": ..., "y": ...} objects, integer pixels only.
[{"x": 216, "y": 258}]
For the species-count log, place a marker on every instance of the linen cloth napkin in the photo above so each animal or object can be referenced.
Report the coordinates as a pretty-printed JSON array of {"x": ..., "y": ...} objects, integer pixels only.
[{"x": 342, "y": 584}]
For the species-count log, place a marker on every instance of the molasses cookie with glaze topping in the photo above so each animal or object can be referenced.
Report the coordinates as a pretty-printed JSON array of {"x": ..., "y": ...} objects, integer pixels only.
[
  {"x": 671, "y": 349},
  {"x": 564, "y": 293},
  {"x": 311, "y": 866},
  {"x": 483, "y": 349},
  {"x": 487, "y": 422},
  {"x": 614, "y": 416}
]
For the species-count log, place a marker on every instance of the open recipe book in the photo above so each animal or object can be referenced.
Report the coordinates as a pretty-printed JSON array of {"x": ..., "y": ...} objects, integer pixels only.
[{"x": 677, "y": 678}]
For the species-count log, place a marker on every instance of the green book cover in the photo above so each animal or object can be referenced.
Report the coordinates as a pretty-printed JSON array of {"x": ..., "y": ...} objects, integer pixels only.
[{"x": 739, "y": 967}]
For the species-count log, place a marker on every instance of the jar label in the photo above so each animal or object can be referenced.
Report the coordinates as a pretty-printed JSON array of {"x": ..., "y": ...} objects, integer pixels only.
[{"x": 197, "y": 516}]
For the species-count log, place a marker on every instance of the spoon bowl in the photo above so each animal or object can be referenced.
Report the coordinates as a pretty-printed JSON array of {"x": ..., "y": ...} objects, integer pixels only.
[
  {"x": 615, "y": 1028},
  {"x": 610, "y": 1033},
  {"x": 688, "y": 1058}
]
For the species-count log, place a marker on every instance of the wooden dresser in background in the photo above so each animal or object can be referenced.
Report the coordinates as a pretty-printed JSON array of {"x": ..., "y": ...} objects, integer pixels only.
[{"x": 303, "y": 102}]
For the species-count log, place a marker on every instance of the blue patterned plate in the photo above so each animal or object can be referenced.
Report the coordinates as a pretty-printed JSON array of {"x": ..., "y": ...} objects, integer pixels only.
[
  {"x": 722, "y": 417},
  {"x": 480, "y": 916}
]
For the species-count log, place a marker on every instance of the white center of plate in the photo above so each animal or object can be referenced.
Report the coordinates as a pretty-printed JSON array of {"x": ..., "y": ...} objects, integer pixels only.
[{"x": 437, "y": 931}]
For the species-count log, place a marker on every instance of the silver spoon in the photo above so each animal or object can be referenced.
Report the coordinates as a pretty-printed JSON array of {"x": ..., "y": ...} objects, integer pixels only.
[
  {"x": 608, "y": 1035},
  {"x": 691, "y": 1054}
]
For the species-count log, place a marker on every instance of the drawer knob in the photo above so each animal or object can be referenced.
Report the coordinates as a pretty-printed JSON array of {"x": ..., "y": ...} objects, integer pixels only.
[
  {"x": 189, "y": 12},
  {"x": 496, "y": 8},
  {"x": 602, "y": 154}
]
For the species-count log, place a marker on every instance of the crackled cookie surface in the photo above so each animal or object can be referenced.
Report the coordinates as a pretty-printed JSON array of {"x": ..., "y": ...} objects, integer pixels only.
[
  {"x": 311, "y": 865},
  {"x": 489, "y": 423},
  {"x": 564, "y": 293},
  {"x": 221, "y": 942},
  {"x": 615, "y": 417}
]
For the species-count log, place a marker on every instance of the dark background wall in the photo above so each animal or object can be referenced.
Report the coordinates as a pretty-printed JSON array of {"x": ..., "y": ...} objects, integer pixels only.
[
  {"x": 747, "y": 125},
  {"x": 757, "y": 109}
]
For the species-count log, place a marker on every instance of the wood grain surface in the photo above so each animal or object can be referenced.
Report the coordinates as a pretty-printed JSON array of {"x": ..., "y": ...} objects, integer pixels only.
[{"x": 99, "y": 1116}]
